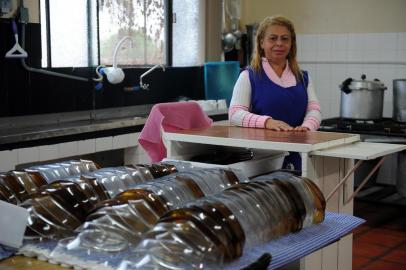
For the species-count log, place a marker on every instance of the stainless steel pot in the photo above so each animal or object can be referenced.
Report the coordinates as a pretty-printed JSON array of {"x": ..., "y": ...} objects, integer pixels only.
[
  {"x": 399, "y": 100},
  {"x": 362, "y": 99}
]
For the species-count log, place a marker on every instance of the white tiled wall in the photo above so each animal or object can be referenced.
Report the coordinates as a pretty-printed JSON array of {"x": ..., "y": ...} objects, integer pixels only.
[{"x": 341, "y": 49}]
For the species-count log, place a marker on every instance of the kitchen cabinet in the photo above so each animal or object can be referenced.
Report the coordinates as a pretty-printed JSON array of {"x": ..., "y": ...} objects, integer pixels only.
[{"x": 326, "y": 158}]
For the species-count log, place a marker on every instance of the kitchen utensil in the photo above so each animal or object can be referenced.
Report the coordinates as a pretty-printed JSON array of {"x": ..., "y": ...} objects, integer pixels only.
[
  {"x": 17, "y": 51},
  {"x": 362, "y": 99},
  {"x": 399, "y": 100}
]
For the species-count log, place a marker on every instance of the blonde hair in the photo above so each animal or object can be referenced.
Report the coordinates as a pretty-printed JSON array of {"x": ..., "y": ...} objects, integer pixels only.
[{"x": 259, "y": 52}]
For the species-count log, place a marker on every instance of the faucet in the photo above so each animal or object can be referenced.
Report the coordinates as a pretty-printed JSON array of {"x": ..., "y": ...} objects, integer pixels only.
[
  {"x": 114, "y": 74},
  {"x": 145, "y": 85},
  {"x": 118, "y": 46}
]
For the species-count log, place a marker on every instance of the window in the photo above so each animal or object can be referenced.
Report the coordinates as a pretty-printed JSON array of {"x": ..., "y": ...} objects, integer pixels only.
[
  {"x": 189, "y": 32},
  {"x": 143, "y": 20},
  {"x": 81, "y": 33}
]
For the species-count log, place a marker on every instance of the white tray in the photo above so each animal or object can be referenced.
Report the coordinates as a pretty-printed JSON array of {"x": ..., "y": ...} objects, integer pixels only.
[{"x": 263, "y": 162}]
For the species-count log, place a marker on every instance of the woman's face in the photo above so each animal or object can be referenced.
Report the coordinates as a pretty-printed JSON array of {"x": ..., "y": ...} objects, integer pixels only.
[{"x": 276, "y": 43}]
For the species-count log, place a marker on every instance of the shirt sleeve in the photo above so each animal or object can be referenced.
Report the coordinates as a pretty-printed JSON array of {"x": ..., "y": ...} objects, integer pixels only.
[
  {"x": 239, "y": 113},
  {"x": 313, "y": 113}
]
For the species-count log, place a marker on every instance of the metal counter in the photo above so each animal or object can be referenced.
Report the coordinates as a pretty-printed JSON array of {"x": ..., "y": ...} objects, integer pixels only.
[{"x": 37, "y": 129}]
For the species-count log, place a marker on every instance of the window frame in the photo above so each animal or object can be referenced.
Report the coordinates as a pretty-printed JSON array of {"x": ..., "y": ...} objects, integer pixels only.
[{"x": 168, "y": 19}]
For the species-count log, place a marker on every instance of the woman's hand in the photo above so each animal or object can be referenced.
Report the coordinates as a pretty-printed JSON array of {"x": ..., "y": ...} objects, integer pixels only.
[
  {"x": 301, "y": 128},
  {"x": 277, "y": 125}
]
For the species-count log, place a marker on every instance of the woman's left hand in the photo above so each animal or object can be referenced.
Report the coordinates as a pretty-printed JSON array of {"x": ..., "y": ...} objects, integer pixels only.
[{"x": 301, "y": 128}]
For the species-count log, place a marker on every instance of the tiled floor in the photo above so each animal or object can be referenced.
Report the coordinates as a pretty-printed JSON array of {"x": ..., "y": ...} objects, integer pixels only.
[{"x": 380, "y": 243}]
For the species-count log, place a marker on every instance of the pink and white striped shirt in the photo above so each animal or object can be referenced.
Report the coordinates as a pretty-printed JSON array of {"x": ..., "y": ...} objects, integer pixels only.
[{"x": 239, "y": 113}]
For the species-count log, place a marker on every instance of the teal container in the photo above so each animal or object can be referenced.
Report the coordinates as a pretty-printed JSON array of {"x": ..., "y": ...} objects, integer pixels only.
[{"x": 219, "y": 79}]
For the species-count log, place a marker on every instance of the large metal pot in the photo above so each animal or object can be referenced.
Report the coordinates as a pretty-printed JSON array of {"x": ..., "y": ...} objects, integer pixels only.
[
  {"x": 399, "y": 100},
  {"x": 362, "y": 99}
]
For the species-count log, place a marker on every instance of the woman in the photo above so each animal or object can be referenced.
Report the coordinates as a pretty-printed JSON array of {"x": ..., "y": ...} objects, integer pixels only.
[{"x": 273, "y": 93}]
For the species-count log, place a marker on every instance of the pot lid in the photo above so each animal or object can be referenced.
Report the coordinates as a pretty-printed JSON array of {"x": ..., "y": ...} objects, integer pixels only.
[{"x": 364, "y": 84}]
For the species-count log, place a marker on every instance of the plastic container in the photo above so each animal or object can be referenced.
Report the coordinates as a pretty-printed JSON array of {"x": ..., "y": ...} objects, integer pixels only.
[{"x": 219, "y": 79}]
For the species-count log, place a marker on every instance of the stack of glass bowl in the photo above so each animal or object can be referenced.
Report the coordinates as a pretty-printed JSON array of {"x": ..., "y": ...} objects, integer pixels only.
[
  {"x": 17, "y": 186},
  {"x": 215, "y": 229},
  {"x": 120, "y": 223},
  {"x": 61, "y": 170},
  {"x": 59, "y": 207}
]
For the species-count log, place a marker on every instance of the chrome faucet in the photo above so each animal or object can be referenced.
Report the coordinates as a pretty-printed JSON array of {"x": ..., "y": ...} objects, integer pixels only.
[{"x": 145, "y": 86}]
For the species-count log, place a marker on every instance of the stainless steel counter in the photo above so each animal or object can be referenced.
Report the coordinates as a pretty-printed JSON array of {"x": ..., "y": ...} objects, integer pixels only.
[
  {"x": 36, "y": 127},
  {"x": 30, "y": 133}
]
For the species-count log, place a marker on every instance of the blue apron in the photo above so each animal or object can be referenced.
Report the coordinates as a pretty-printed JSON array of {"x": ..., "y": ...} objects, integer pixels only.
[{"x": 285, "y": 104}]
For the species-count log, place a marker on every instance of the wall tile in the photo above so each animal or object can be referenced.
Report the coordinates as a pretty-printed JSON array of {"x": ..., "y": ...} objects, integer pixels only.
[
  {"x": 388, "y": 41},
  {"x": 355, "y": 71},
  {"x": 325, "y": 108},
  {"x": 104, "y": 144},
  {"x": 8, "y": 160},
  {"x": 304, "y": 66},
  {"x": 67, "y": 149},
  {"x": 388, "y": 94},
  {"x": 26, "y": 155},
  {"x": 371, "y": 55},
  {"x": 311, "y": 69},
  {"x": 120, "y": 141},
  {"x": 387, "y": 108},
  {"x": 324, "y": 43},
  {"x": 339, "y": 42},
  {"x": 400, "y": 72},
  {"x": 356, "y": 42},
  {"x": 48, "y": 152},
  {"x": 323, "y": 55},
  {"x": 299, "y": 42},
  {"x": 338, "y": 75},
  {"x": 372, "y": 72},
  {"x": 323, "y": 73},
  {"x": 299, "y": 55},
  {"x": 309, "y": 42},
  {"x": 401, "y": 56},
  {"x": 355, "y": 56},
  {"x": 338, "y": 55},
  {"x": 353, "y": 47},
  {"x": 335, "y": 104},
  {"x": 309, "y": 56},
  {"x": 86, "y": 146},
  {"x": 132, "y": 139},
  {"x": 389, "y": 56},
  {"x": 373, "y": 41},
  {"x": 401, "y": 41},
  {"x": 388, "y": 73}
]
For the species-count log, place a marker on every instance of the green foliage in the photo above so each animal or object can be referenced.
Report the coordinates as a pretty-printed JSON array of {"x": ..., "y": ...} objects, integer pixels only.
[{"x": 144, "y": 24}]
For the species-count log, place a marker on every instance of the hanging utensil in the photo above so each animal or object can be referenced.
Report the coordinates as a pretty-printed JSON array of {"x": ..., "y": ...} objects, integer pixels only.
[
  {"x": 17, "y": 51},
  {"x": 230, "y": 38}
]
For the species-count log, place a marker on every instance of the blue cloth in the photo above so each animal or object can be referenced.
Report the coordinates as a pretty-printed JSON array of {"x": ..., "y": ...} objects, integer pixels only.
[
  {"x": 284, "y": 250},
  {"x": 294, "y": 246},
  {"x": 285, "y": 104},
  {"x": 6, "y": 252}
]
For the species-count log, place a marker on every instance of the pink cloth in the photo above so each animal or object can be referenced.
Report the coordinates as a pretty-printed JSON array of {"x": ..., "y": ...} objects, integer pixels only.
[{"x": 171, "y": 117}]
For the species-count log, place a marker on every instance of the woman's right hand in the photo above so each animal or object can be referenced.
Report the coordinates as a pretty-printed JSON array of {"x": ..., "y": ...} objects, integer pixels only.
[{"x": 277, "y": 125}]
